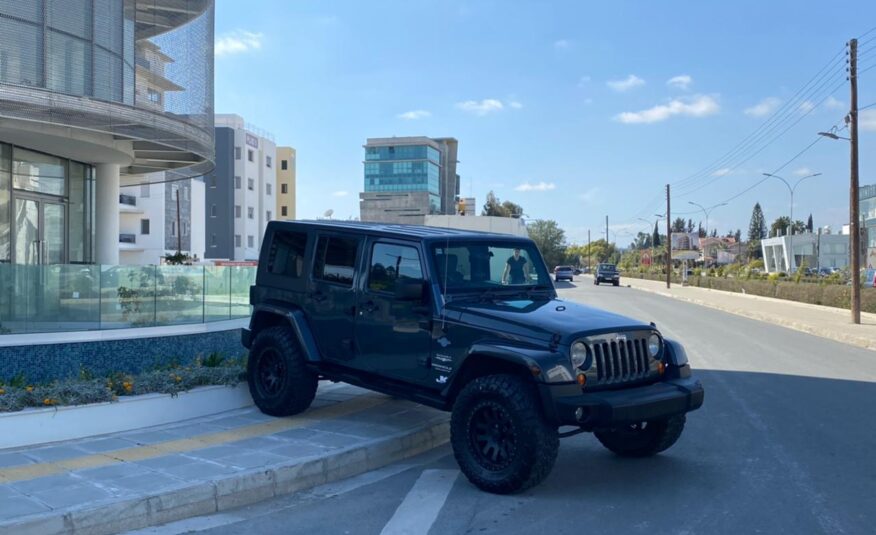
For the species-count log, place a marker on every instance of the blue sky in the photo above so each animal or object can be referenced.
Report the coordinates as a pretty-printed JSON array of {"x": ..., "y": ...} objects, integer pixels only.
[{"x": 575, "y": 110}]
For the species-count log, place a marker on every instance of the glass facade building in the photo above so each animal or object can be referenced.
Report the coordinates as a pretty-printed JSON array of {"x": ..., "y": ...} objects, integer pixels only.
[{"x": 404, "y": 168}]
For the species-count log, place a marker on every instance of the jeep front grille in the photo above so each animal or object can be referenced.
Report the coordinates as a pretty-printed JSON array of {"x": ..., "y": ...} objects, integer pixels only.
[{"x": 620, "y": 360}]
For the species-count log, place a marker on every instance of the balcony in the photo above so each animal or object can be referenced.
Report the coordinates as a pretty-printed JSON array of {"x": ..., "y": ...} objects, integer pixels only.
[
  {"x": 127, "y": 238},
  {"x": 128, "y": 200}
]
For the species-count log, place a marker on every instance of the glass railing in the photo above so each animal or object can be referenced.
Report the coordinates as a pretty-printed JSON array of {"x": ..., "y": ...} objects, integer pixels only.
[{"x": 60, "y": 298}]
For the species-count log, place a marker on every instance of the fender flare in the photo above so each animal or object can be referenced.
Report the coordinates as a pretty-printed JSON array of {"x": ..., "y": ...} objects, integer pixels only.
[{"x": 295, "y": 319}]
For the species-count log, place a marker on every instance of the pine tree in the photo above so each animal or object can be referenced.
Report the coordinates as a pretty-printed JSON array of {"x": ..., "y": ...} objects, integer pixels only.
[
  {"x": 757, "y": 230},
  {"x": 655, "y": 238},
  {"x": 809, "y": 224},
  {"x": 701, "y": 232},
  {"x": 690, "y": 226}
]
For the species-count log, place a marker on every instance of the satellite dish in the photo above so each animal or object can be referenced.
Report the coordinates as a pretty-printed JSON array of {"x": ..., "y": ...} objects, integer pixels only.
[{"x": 328, "y": 213}]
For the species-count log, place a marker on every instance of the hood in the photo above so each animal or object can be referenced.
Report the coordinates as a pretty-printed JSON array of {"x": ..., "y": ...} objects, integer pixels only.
[{"x": 542, "y": 318}]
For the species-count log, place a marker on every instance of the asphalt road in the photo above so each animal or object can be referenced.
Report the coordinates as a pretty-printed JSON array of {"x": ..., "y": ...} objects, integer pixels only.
[{"x": 785, "y": 443}]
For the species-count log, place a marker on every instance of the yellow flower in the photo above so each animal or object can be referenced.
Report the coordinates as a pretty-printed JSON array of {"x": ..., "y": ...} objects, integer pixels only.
[
  {"x": 177, "y": 378},
  {"x": 2, "y": 391},
  {"x": 128, "y": 386},
  {"x": 29, "y": 389},
  {"x": 48, "y": 401}
]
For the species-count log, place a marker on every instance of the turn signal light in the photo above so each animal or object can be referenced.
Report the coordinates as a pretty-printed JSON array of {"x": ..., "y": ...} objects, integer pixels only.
[
  {"x": 582, "y": 379},
  {"x": 661, "y": 368}
]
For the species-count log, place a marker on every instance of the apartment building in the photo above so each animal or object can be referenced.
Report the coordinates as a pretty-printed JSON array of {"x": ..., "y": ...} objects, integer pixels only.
[{"x": 286, "y": 183}]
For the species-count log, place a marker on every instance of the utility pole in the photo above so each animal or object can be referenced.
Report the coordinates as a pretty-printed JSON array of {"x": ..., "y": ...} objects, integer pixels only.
[
  {"x": 178, "y": 228},
  {"x": 855, "y": 233},
  {"x": 606, "y": 231},
  {"x": 588, "y": 251},
  {"x": 669, "y": 240}
]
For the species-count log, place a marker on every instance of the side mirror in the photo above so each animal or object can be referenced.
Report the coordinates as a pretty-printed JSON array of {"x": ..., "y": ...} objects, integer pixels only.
[{"x": 409, "y": 290}]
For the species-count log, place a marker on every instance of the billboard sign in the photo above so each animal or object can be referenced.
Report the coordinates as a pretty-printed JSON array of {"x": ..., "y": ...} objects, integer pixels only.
[{"x": 685, "y": 245}]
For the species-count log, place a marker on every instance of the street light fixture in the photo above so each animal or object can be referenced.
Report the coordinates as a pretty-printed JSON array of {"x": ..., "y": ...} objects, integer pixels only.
[
  {"x": 791, "y": 190},
  {"x": 707, "y": 211}
]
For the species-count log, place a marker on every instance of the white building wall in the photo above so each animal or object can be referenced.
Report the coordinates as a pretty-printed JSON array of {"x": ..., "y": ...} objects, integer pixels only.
[
  {"x": 149, "y": 248},
  {"x": 501, "y": 225},
  {"x": 262, "y": 175}
]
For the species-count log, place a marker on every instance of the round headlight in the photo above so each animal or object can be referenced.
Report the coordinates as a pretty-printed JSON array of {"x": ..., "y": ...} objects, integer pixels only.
[
  {"x": 579, "y": 355},
  {"x": 654, "y": 344}
]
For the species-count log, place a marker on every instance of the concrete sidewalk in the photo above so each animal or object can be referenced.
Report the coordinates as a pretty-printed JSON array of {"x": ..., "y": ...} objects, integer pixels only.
[
  {"x": 152, "y": 476},
  {"x": 827, "y": 322}
]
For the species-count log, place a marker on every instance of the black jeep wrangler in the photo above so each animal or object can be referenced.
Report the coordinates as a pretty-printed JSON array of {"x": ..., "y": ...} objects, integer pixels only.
[
  {"x": 465, "y": 322},
  {"x": 607, "y": 273}
]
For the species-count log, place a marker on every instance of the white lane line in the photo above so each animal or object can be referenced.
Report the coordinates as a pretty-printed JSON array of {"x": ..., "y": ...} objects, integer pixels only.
[{"x": 421, "y": 506}]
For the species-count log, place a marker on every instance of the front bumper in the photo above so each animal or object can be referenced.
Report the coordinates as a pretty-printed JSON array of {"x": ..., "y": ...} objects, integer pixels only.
[{"x": 608, "y": 408}]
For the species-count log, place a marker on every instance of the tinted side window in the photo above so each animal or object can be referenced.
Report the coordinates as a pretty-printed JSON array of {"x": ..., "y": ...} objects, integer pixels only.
[
  {"x": 335, "y": 260},
  {"x": 390, "y": 263},
  {"x": 287, "y": 254}
]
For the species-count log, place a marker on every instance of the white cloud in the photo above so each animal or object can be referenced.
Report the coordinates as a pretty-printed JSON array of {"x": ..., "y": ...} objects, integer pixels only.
[
  {"x": 413, "y": 115},
  {"x": 696, "y": 106},
  {"x": 803, "y": 171},
  {"x": 724, "y": 171},
  {"x": 764, "y": 107},
  {"x": 867, "y": 120},
  {"x": 806, "y": 106},
  {"x": 541, "y": 186},
  {"x": 236, "y": 42},
  {"x": 481, "y": 107},
  {"x": 515, "y": 104},
  {"x": 562, "y": 43},
  {"x": 626, "y": 84},
  {"x": 340, "y": 193},
  {"x": 681, "y": 81},
  {"x": 834, "y": 104}
]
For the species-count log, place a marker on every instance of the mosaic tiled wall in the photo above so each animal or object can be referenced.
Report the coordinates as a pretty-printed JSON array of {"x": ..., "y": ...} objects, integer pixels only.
[{"x": 43, "y": 363}]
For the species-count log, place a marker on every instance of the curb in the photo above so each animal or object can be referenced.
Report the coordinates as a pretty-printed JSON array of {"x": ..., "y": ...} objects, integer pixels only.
[
  {"x": 236, "y": 490},
  {"x": 864, "y": 343}
]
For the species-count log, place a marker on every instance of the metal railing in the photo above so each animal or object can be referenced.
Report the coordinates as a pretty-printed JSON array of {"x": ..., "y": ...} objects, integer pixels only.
[
  {"x": 127, "y": 238},
  {"x": 63, "y": 298}
]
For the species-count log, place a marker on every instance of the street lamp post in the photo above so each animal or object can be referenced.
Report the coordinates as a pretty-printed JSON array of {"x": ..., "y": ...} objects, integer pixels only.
[
  {"x": 791, "y": 190},
  {"x": 707, "y": 211}
]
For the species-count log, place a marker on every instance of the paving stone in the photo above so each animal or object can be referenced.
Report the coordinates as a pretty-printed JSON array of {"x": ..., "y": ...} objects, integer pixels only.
[
  {"x": 332, "y": 440},
  {"x": 299, "y": 450},
  {"x": 253, "y": 459},
  {"x": 149, "y": 483},
  {"x": 106, "y": 444},
  {"x": 55, "y": 453},
  {"x": 193, "y": 430},
  {"x": 234, "y": 422},
  {"x": 355, "y": 429},
  {"x": 70, "y": 496},
  {"x": 14, "y": 459},
  {"x": 199, "y": 470},
  {"x": 258, "y": 443},
  {"x": 20, "y": 506},
  {"x": 114, "y": 471},
  {"x": 7, "y": 491},
  {"x": 302, "y": 433},
  {"x": 46, "y": 483},
  {"x": 214, "y": 452},
  {"x": 166, "y": 462},
  {"x": 149, "y": 437}
]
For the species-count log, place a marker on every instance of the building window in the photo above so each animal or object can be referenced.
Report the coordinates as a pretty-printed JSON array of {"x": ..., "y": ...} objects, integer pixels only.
[
  {"x": 267, "y": 161},
  {"x": 212, "y": 240},
  {"x": 237, "y": 211},
  {"x": 237, "y": 240},
  {"x": 250, "y": 212},
  {"x": 173, "y": 228},
  {"x": 284, "y": 164},
  {"x": 284, "y": 188},
  {"x": 268, "y": 189},
  {"x": 250, "y": 155},
  {"x": 213, "y": 210},
  {"x": 250, "y": 184},
  {"x": 284, "y": 211},
  {"x": 236, "y": 153},
  {"x": 144, "y": 191},
  {"x": 250, "y": 241},
  {"x": 212, "y": 181},
  {"x": 268, "y": 215},
  {"x": 153, "y": 96},
  {"x": 185, "y": 194},
  {"x": 185, "y": 228},
  {"x": 144, "y": 226}
]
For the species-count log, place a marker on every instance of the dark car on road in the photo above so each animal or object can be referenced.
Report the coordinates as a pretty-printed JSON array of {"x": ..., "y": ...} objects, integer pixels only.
[
  {"x": 564, "y": 273},
  {"x": 606, "y": 273},
  {"x": 465, "y": 322}
]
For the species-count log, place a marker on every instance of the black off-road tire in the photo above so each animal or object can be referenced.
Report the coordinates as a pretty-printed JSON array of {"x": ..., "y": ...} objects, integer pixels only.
[
  {"x": 596, "y": 282},
  {"x": 636, "y": 441},
  {"x": 615, "y": 283},
  {"x": 528, "y": 443},
  {"x": 279, "y": 381}
]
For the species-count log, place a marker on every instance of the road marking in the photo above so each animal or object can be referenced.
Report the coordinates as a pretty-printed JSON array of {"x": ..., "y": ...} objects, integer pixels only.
[
  {"x": 184, "y": 445},
  {"x": 421, "y": 506}
]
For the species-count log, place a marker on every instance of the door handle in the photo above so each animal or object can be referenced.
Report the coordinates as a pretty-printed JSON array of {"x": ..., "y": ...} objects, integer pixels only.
[
  {"x": 369, "y": 306},
  {"x": 318, "y": 297}
]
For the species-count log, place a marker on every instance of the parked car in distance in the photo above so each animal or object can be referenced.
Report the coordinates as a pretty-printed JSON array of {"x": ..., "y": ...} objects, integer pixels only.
[
  {"x": 606, "y": 273},
  {"x": 578, "y": 271},
  {"x": 564, "y": 273},
  {"x": 449, "y": 319}
]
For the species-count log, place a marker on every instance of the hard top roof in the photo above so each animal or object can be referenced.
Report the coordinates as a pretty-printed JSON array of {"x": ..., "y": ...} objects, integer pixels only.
[{"x": 401, "y": 231}]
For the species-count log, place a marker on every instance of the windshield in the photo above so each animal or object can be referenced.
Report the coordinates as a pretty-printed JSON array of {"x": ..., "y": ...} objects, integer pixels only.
[
  {"x": 606, "y": 267},
  {"x": 466, "y": 266}
]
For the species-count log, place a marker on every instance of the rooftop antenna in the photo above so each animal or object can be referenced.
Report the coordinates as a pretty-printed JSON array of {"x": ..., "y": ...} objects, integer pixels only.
[{"x": 328, "y": 213}]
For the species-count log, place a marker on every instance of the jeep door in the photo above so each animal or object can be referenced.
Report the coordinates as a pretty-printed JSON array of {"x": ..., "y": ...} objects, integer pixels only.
[
  {"x": 393, "y": 330},
  {"x": 330, "y": 303}
]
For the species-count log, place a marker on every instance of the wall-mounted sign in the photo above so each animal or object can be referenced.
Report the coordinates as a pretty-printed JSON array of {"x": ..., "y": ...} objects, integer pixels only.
[{"x": 252, "y": 140}]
